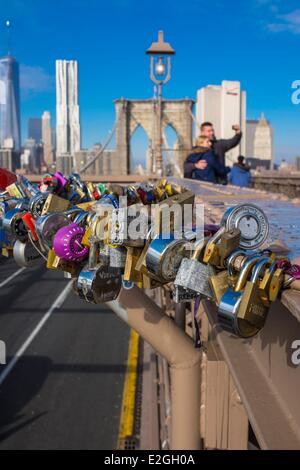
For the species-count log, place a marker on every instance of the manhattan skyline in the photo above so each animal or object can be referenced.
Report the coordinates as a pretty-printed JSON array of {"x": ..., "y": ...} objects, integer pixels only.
[{"x": 253, "y": 43}]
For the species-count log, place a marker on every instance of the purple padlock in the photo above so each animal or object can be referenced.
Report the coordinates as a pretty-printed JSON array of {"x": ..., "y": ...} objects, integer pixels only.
[
  {"x": 67, "y": 243},
  {"x": 294, "y": 271},
  {"x": 61, "y": 181}
]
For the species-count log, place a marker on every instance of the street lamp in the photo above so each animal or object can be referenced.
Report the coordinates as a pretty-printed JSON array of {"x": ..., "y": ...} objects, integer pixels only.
[
  {"x": 160, "y": 61},
  {"x": 160, "y": 73}
]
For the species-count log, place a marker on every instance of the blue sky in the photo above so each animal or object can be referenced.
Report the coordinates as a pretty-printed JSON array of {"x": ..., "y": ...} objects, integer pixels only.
[{"x": 254, "y": 41}]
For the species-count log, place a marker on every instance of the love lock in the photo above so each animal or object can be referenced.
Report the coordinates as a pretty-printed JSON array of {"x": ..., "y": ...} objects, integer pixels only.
[
  {"x": 231, "y": 301},
  {"x": 98, "y": 286},
  {"x": 193, "y": 276},
  {"x": 67, "y": 243},
  {"x": 48, "y": 225},
  {"x": 164, "y": 257},
  {"x": 25, "y": 254}
]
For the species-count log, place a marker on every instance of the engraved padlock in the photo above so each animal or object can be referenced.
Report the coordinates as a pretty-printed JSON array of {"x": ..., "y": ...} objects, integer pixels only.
[
  {"x": 102, "y": 285},
  {"x": 194, "y": 275},
  {"x": 26, "y": 254}
]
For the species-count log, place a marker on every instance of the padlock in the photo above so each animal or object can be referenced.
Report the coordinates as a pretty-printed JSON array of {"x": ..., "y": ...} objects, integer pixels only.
[
  {"x": 121, "y": 228},
  {"x": 48, "y": 225},
  {"x": 264, "y": 286},
  {"x": 182, "y": 295},
  {"x": 15, "y": 190},
  {"x": 30, "y": 224},
  {"x": 225, "y": 279},
  {"x": 25, "y": 254},
  {"x": 130, "y": 273},
  {"x": 212, "y": 255},
  {"x": 276, "y": 284},
  {"x": 117, "y": 257},
  {"x": 36, "y": 204},
  {"x": 56, "y": 263},
  {"x": 252, "y": 308},
  {"x": 55, "y": 203},
  {"x": 102, "y": 285},
  {"x": 28, "y": 188},
  {"x": 229, "y": 242},
  {"x": 194, "y": 275},
  {"x": 221, "y": 245},
  {"x": 164, "y": 257},
  {"x": 230, "y": 303},
  {"x": 67, "y": 243},
  {"x": 13, "y": 225}
]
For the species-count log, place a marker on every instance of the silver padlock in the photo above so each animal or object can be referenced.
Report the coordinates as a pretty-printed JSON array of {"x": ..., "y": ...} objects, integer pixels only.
[
  {"x": 26, "y": 255},
  {"x": 102, "y": 285},
  {"x": 164, "y": 257},
  {"x": 193, "y": 275},
  {"x": 117, "y": 257},
  {"x": 182, "y": 294},
  {"x": 36, "y": 204},
  {"x": 231, "y": 301},
  {"x": 48, "y": 225},
  {"x": 124, "y": 228},
  {"x": 14, "y": 226}
]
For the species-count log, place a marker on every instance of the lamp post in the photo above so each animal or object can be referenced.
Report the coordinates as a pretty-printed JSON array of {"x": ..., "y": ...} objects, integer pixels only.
[{"x": 160, "y": 73}]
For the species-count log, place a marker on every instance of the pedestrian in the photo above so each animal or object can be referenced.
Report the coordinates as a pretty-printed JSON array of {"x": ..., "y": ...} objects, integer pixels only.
[
  {"x": 203, "y": 164},
  {"x": 240, "y": 173}
]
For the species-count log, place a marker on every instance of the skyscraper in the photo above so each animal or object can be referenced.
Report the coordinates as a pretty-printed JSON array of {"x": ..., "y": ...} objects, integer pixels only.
[
  {"x": 67, "y": 108},
  {"x": 10, "y": 129},
  {"x": 35, "y": 129},
  {"x": 47, "y": 138},
  {"x": 224, "y": 105},
  {"x": 260, "y": 141}
]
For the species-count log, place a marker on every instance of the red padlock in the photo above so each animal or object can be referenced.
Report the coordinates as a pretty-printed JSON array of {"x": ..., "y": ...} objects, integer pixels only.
[
  {"x": 30, "y": 224},
  {"x": 6, "y": 178}
]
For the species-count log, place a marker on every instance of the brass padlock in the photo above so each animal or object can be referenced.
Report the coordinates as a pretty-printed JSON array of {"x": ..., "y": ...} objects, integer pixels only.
[
  {"x": 130, "y": 273},
  {"x": 225, "y": 279},
  {"x": 264, "y": 285},
  {"x": 229, "y": 242},
  {"x": 252, "y": 308},
  {"x": 212, "y": 255},
  {"x": 55, "y": 203},
  {"x": 276, "y": 284}
]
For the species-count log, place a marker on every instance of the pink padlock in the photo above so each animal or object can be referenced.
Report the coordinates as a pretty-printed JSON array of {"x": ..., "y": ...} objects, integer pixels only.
[
  {"x": 67, "y": 243},
  {"x": 294, "y": 271}
]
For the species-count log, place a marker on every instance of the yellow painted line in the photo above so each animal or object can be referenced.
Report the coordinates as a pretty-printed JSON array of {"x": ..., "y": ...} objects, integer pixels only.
[{"x": 126, "y": 428}]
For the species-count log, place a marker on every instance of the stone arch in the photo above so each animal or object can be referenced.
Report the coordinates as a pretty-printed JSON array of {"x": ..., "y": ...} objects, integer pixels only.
[{"x": 133, "y": 113}]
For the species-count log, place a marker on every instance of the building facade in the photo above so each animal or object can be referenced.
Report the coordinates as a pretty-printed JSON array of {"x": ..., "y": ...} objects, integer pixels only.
[
  {"x": 224, "y": 106},
  {"x": 259, "y": 146},
  {"x": 10, "y": 128},
  {"x": 67, "y": 108},
  {"x": 47, "y": 139},
  {"x": 35, "y": 129}
]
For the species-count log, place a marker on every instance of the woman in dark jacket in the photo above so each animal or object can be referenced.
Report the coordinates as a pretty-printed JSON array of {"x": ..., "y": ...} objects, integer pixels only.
[{"x": 213, "y": 168}]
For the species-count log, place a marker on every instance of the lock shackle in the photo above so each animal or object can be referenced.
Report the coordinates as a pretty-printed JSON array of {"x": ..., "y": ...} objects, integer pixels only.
[
  {"x": 245, "y": 273},
  {"x": 232, "y": 258},
  {"x": 216, "y": 237},
  {"x": 258, "y": 269},
  {"x": 198, "y": 247}
]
